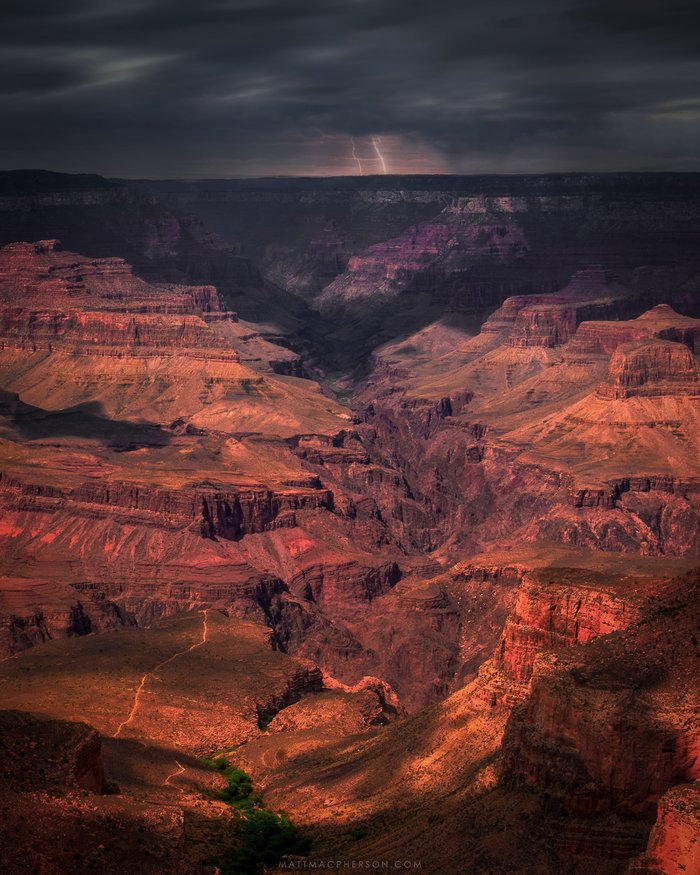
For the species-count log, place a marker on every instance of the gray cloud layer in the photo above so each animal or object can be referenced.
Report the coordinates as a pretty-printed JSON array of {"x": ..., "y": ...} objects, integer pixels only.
[{"x": 228, "y": 87}]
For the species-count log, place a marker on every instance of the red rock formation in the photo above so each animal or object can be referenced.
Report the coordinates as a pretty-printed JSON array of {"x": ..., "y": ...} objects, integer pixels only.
[
  {"x": 556, "y": 610},
  {"x": 215, "y": 513},
  {"x": 550, "y": 320},
  {"x": 652, "y": 368},
  {"x": 661, "y": 321},
  {"x": 36, "y": 610},
  {"x": 83, "y": 312},
  {"x": 674, "y": 842},
  {"x": 458, "y": 238},
  {"x": 100, "y": 218},
  {"x": 42, "y": 273},
  {"x": 160, "y": 458},
  {"x": 549, "y": 429},
  {"x": 129, "y": 484},
  {"x": 595, "y": 733},
  {"x": 613, "y": 726}
]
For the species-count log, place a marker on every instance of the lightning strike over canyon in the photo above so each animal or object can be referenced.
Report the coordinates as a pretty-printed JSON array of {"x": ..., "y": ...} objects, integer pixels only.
[
  {"x": 376, "y": 142},
  {"x": 356, "y": 157}
]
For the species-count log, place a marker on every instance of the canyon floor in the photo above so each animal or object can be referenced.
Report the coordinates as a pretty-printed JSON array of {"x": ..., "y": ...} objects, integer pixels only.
[{"x": 431, "y": 581}]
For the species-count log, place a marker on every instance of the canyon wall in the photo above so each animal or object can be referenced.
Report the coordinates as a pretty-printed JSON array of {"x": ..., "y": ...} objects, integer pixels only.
[
  {"x": 474, "y": 561},
  {"x": 449, "y": 245}
]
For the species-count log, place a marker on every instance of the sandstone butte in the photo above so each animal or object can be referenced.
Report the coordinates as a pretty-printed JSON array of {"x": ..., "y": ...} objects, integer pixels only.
[{"x": 454, "y": 621}]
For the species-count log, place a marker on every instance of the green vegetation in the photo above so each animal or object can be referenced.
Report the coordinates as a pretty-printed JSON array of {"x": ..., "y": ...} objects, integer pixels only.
[
  {"x": 266, "y": 836},
  {"x": 264, "y": 721}
]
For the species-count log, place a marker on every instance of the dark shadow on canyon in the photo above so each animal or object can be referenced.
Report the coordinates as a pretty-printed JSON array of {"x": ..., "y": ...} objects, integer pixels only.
[{"x": 86, "y": 420}]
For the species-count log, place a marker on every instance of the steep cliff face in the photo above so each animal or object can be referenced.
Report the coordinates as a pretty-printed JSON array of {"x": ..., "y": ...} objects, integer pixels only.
[
  {"x": 560, "y": 611},
  {"x": 611, "y": 727},
  {"x": 660, "y": 368},
  {"x": 552, "y": 320},
  {"x": 34, "y": 610},
  {"x": 674, "y": 841},
  {"x": 661, "y": 322},
  {"x": 215, "y": 514}
]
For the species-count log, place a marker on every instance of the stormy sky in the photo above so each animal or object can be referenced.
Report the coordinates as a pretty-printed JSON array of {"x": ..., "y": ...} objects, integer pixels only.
[{"x": 207, "y": 88}]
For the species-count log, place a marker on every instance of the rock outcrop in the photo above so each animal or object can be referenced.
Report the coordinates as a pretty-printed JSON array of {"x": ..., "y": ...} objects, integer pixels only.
[
  {"x": 662, "y": 322},
  {"x": 674, "y": 841},
  {"x": 551, "y": 320},
  {"x": 556, "y": 609},
  {"x": 658, "y": 368},
  {"x": 611, "y": 727}
]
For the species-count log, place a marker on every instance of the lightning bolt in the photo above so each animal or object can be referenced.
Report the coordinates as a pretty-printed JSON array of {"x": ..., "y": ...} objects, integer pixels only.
[
  {"x": 356, "y": 156},
  {"x": 376, "y": 142}
]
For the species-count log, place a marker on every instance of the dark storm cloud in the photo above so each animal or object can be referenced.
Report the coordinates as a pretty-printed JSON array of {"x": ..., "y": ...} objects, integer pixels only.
[{"x": 220, "y": 87}]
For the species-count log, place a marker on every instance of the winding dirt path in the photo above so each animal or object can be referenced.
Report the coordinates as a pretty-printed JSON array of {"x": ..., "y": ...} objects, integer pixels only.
[
  {"x": 179, "y": 771},
  {"x": 147, "y": 675}
]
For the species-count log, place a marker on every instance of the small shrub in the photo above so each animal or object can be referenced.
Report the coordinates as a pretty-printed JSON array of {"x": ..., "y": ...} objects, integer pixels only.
[
  {"x": 239, "y": 787},
  {"x": 220, "y": 764},
  {"x": 264, "y": 721}
]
